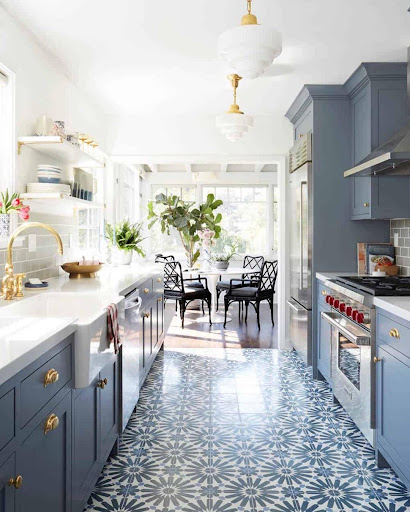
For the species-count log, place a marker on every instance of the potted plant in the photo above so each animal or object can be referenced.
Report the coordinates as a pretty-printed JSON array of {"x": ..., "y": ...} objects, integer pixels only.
[
  {"x": 11, "y": 204},
  {"x": 127, "y": 238},
  {"x": 187, "y": 218},
  {"x": 228, "y": 247}
]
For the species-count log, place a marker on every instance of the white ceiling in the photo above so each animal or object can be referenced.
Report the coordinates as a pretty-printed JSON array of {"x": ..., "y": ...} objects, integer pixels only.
[{"x": 139, "y": 57}]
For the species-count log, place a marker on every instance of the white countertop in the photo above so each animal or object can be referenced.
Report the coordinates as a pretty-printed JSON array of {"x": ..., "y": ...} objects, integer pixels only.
[
  {"x": 399, "y": 306},
  {"x": 23, "y": 340}
]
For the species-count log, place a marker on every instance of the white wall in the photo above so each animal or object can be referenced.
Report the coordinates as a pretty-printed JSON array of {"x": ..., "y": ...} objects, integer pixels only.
[{"x": 195, "y": 135}]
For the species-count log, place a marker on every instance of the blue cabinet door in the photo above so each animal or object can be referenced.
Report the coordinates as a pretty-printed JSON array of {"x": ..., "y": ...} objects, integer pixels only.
[
  {"x": 85, "y": 442},
  {"x": 361, "y": 197},
  {"x": 393, "y": 409},
  {"x": 7, "y": 472},
  {"x": 159, "y": 320},
  {"x": 324, "y": 342},
  {"x": 44, "y": 461},
  {"x": 109, "y": 410}
]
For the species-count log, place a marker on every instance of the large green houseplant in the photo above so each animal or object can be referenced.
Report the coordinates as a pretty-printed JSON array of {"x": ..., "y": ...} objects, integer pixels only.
[{"x": 187, "y": 218}]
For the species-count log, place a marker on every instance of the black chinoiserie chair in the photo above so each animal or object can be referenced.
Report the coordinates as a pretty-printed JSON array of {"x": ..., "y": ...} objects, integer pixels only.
[
  {"x": 160, "y": 258},
  {"x": 179, "y": 289},
  {"x": 253, "y": 263},
  {"x": 250, "y": 294}
]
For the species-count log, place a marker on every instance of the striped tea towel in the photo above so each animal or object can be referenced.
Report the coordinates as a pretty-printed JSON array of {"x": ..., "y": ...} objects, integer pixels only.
[{"x": 113, "y": 326}]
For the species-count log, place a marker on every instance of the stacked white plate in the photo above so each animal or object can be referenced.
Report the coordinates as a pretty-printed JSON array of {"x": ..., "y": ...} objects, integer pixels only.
[
  {"x": 35, "y": 188},
  {"x": 49, "y": 173}
]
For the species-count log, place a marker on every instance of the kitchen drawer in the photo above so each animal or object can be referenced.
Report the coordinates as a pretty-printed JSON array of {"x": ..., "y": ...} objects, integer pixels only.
[
  {"x": 7, "y": 423},
  {"x": 159, "y": 284},
  {"x": 35, "y": 393},
  {"x": 393, "y": 331},
  {"x": 322, "y": 291},
  {"x": 146, "y": 290}
]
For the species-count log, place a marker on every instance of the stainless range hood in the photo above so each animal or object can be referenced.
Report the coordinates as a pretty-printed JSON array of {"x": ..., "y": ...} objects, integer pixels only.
[{"x": 393, "y": 157}]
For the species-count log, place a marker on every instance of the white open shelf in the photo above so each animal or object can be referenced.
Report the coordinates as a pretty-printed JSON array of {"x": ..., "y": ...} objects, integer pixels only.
[
  {"x": 56, "y": 203},
  {"x": 58, "y": 148}
]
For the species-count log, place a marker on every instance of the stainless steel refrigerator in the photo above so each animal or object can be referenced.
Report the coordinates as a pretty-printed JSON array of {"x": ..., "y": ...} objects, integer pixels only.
[{"x": 300, "y": 301}]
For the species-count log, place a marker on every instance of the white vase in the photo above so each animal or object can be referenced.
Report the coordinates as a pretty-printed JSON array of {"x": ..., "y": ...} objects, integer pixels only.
[
  {"x": 4, "y": 224},
  {"x": 125, "y": 257},
  {"x": 207, "y": 259}
]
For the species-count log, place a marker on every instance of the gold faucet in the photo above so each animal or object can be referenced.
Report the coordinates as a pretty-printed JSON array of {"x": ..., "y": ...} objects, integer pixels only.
[{"x": 11, "y": 283}]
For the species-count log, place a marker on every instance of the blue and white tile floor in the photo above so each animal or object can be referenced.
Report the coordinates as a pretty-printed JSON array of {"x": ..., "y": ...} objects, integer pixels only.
[{"x": 242, "y": 430}]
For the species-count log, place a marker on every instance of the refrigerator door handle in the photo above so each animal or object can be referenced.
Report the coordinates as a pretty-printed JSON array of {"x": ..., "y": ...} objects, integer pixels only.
[
  {"x": 295, "y": 306},
  {"x": 302, "y": 184}
]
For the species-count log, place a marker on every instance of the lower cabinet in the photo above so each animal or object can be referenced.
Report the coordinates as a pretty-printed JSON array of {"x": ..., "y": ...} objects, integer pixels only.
[
  {"x": 151, "y": 334},
  {"x": 95, "y": 430},
  {"x": 324, "y": 345},
  {"x": 393, "y": 409},
  {"x": 44, "y": 461},
  {"x": 7, "y": 489}
]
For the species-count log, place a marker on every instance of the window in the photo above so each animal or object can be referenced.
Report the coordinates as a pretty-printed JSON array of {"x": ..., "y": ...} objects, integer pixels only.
[
  {"x": 128, "y": 194},
  {"x": 245, "y": 212},
  {"x": 161, "y": 243},
  {"x": 91, "y": 221}
]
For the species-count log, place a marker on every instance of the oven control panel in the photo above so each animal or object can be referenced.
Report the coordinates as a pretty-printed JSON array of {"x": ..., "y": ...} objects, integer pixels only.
[{"x": 352, "y": 310}]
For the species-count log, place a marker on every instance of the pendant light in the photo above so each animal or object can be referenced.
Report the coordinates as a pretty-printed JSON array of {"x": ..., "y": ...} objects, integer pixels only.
[
  {"x": 250, "y": 48},
  {"x": 234, "y": 123}
]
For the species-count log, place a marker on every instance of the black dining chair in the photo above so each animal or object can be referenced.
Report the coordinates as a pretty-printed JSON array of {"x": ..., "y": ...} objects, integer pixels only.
[
  {"x": 160, "y": 258},
  {"x": 251, "y": 294},
  {"x": 253, "y": 263},
  {"x": 177, "y": 288}
]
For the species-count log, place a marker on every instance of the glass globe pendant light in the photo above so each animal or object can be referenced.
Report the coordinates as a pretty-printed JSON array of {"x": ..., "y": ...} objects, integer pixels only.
[
  {"x": 250, "y": 48},
  {"x": 234, "y": 123}
]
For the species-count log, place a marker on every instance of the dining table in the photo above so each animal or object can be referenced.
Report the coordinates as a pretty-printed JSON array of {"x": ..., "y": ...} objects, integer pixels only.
[{"x": 213, "y": 275}]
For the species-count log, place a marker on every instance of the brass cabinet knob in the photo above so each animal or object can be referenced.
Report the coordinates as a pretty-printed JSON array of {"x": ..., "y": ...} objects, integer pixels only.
[
  {"x": 159, "y": 299},
  {"x": 394, "y": 333},
  {"x": 146, "y": 315},
  {"x": 324, "y": 292},
  {"x": 366, "y": 205},
  {"x": 146, "y": 290},
  {"x": 51, "y": 377},
  {"x": 159, "y": 279},
  {"x": 376, "y": 359},
  {"x": 16, "y": 482},
  {"x": 102, "y": 383},
  {"x": 52, "y": 423}
]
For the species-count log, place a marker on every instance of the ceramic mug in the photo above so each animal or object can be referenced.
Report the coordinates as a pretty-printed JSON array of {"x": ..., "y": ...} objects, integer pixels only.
[
  {"x": 43, "y": 126},
  {"x": 58, "y": 128}
]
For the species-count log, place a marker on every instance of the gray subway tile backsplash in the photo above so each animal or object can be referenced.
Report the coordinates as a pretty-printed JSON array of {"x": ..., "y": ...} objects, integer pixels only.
[{"x": 401, "y": 227}]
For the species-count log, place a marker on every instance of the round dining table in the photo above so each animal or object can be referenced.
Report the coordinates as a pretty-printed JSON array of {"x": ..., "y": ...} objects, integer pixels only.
[{"x": 212, "y": 276}]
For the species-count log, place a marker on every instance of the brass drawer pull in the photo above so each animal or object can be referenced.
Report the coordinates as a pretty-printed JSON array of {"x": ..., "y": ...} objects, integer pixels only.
[
  {"x": 376, "y": 359},
  {"x": 324, "y": 292},
  {"x": 366, "y": 205},
  {"x": 16, "y": 482},
  {"x": 159, "y": 279},
  {"x": 146, "y": 315},
  {"x": 52, "y": 423},
  {"x": 102, "y": 383},
  {"x": 394, "y": 333},
  {"x": 51, "y": 377},
  {"x": 146, "y": 290}
]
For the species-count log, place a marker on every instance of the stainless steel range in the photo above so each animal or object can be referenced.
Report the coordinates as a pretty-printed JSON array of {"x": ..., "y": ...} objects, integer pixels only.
[{"x": 353, "y": 342}]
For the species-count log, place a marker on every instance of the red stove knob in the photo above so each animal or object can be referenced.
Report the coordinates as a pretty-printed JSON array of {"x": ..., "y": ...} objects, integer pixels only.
[
  {"x": 349, "y": 310},
  {"x": 327, "y": 299},
  {"x": 360, "y": 318},
  {"x": 342, "y": 307},
  {"x": 354, "y": 315},
  {"x": 331, "y": 300},
  {"x": 336, "y": 303}
]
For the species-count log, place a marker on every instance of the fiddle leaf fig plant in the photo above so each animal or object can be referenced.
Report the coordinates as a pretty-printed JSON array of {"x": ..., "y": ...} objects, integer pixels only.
[{"x": 187, "y": 218}]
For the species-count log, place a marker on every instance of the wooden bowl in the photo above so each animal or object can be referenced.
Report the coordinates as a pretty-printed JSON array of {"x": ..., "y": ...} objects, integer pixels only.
[
  {"x": 78, "y": 271},
  {"x": 391, "y": 270}
]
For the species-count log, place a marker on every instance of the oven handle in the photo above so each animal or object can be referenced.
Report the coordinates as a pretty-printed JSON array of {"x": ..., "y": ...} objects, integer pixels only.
[{"x": 360, "y": 337}]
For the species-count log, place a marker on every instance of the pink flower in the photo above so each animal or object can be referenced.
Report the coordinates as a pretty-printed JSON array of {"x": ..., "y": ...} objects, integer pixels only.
[
  {"x": 15, "y": 202},
  {"x": 25, "y": 209},
  {"x": 24, "y": 215},
  {"x": 1, "y": 205}
]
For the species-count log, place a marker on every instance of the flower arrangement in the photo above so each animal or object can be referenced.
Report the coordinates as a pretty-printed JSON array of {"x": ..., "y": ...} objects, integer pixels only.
[
  {"x": 207, "y": 236},
  {"x": 12, "y": 203}
]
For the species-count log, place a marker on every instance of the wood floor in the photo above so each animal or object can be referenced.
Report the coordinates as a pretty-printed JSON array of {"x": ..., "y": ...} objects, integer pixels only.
[{"x": 237, "y": 334}]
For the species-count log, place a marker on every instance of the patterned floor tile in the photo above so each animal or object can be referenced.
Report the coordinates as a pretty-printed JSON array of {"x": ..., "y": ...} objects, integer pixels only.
[{"x": 242, "y": 431}]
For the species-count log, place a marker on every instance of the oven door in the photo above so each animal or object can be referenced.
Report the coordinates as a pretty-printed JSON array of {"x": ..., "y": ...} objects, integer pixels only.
[{"x": 351, "y": 370}]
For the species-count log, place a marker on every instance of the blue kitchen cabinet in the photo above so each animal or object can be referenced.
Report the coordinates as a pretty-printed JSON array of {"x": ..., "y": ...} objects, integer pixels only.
[
  {"x": 109, "y": 409},
  {"x": 324, "y": 352},
  {"x": 7, "y": 489},
  {"x": 159, "y": 321},
  {"x": 44, "y": 461},
  {"x": 393, "y": 410}
]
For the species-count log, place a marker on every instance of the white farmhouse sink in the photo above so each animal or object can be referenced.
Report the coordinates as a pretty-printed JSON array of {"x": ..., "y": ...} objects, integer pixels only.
[{"x": 92, "y": 351}]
